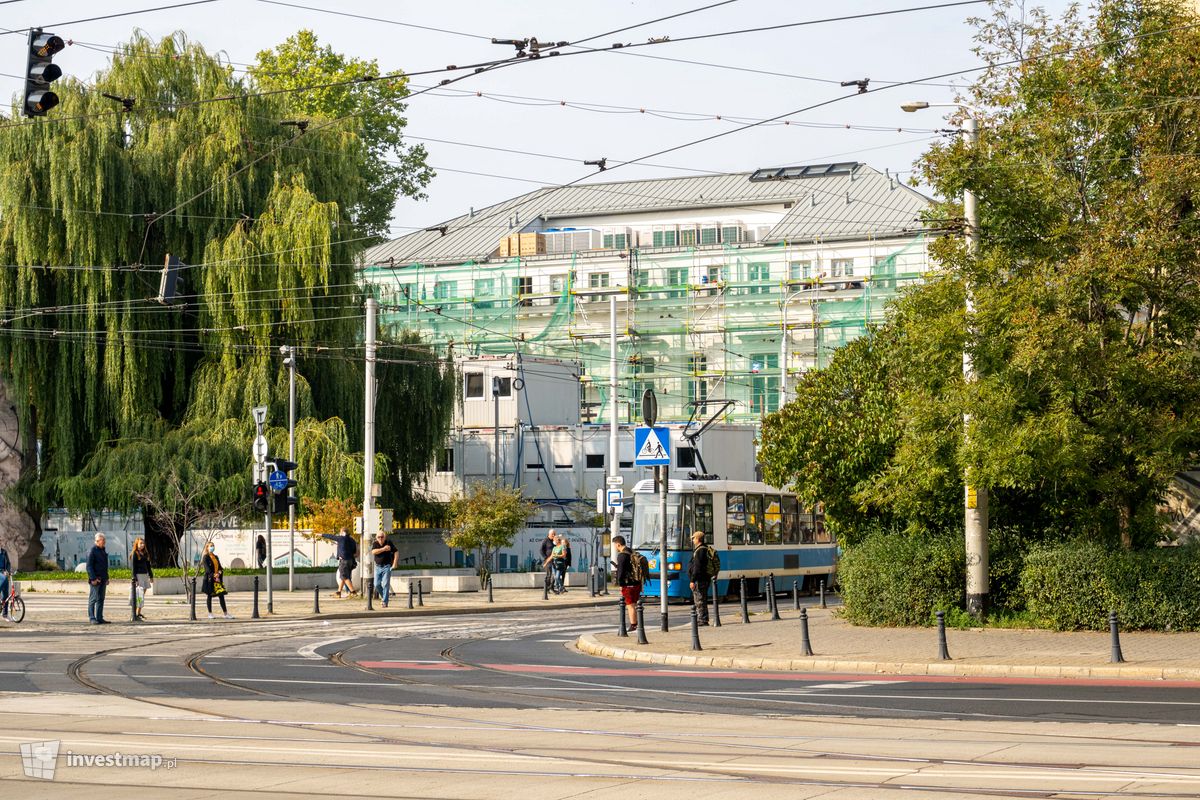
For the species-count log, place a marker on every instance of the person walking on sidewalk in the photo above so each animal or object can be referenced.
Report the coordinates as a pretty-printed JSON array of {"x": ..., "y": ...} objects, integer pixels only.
[
  {"x": 143, "y": 574},
  {"x": 631, "y": 586},
  {"x": 699, "y": 576},
  {"x": 347, "y": 550},
  {"x": 385, "y": 558},
  {"x": 213, "y": 584},
  {"x": 5, "y": 574},
  {"x": 260, "y": 550},
  {"x": 97, "y": 572},
  {"x": 548, "y": 548},
  {"x": 567, "y": 560},
  {"x": 557, "y": 565}
]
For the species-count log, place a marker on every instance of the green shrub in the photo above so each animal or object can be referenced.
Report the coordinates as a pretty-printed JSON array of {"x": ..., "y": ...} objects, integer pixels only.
[
  {"x": 1073, "y": 586},
  {"x": 894, "y": 578}
]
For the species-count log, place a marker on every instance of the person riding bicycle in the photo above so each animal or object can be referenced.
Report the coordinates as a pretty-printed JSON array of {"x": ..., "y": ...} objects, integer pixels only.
[{"x": 5, "y": 572}]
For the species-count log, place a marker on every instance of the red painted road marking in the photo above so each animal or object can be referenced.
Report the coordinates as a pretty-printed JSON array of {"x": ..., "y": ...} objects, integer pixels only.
[{"x": 841, "y": 677}]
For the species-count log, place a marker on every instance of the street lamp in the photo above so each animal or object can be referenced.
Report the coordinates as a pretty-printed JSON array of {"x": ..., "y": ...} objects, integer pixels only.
[
  {"x": 975, "y": 499},
  {"x": 783, "y": 336},
  {"x": 289, "y": 360}
]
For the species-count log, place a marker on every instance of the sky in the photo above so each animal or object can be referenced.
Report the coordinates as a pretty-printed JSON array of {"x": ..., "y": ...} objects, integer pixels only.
[{"x": 616, "y": 105}]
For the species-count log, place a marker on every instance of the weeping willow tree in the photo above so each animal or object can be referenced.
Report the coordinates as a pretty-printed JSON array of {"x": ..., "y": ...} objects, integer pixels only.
[{"x": 106, "y": 381}]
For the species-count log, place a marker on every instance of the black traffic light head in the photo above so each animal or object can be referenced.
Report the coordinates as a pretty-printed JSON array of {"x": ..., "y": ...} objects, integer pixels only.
[
  {"x": 262, "y": 495},
  {"x": 40, "y": 72},
  {"x": 283, "y": 466},
  {"x": 283, "y": 502}
]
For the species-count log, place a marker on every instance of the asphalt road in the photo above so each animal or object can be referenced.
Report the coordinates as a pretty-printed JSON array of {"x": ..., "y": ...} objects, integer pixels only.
[{"x": 524, "y": 660}]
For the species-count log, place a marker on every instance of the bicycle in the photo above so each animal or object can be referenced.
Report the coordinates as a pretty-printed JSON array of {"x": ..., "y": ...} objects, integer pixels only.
[{"x": 16, "y": 606}]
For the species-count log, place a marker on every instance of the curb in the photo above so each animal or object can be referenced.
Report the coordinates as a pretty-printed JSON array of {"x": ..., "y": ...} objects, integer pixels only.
[{"x": 588, "y": 644}]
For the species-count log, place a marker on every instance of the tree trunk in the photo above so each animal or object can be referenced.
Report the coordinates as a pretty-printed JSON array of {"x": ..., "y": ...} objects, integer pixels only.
[
  {"x": 1125, "y": 523},
  {"x": 20, "y": 533}
]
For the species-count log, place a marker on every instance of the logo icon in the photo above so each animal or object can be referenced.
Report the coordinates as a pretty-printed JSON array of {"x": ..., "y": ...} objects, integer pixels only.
[{"x": 39, "y": 759}]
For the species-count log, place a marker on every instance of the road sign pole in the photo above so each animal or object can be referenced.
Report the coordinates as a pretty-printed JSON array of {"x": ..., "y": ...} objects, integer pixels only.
[
  {"x": 662, "y": 545},
  {"x": 291, "y": 363},
  {"x": 270, "y": 588}
]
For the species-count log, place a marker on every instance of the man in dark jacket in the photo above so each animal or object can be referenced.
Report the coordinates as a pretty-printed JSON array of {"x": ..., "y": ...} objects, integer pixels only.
[
  {"x": 631, "y": 589},
  {"x": 97, "y": 572},
  {"x": 698, "y": 577},
  {"x": 347, "y": 550}
]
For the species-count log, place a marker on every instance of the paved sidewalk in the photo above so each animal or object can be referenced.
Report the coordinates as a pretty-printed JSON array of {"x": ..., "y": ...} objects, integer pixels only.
[
  {"x": 841, "y": 647},
  {"x": 49, "y": 611}
]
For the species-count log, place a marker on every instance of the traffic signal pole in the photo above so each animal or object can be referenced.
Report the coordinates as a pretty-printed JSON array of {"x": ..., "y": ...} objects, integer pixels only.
[
  {"x": 368, "y": 437},
  {"x": 270, "y": 588}
]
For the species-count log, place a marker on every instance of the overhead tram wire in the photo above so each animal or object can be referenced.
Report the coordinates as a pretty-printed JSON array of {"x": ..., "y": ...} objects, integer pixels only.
[{"x": 113, "y": 16}]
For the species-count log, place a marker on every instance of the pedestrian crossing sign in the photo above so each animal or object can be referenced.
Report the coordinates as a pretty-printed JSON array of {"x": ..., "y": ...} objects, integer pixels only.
[{"x": 653, "y": 447}]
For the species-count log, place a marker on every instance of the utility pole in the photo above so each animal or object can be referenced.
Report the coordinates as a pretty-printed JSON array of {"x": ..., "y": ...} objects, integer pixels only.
[
  {"x": 290, "y": 360},
  {"x": 495, "y": 430},
  {"x": 614, "y": 471},
  {"x": 368, "y": 437}
]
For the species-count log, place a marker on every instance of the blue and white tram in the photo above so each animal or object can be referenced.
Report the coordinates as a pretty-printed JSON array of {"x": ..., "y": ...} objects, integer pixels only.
[{"x": 755, "y": 528}]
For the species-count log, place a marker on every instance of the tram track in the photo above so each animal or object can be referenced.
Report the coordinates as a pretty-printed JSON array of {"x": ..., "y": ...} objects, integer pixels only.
[{"x": 453, "y": 654}]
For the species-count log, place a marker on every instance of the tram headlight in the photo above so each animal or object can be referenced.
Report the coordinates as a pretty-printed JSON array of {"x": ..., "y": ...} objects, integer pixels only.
[{"x": 675, "y": 566}]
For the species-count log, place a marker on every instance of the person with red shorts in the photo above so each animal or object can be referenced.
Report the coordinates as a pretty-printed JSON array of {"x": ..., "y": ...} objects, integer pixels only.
[{"x": 631, "y": 589}]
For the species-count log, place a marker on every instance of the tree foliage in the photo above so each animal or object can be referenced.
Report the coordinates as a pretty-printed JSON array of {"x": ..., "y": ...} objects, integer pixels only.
[
  {"x": 330, "y": 515},
  {"x": 391, "y": 168},
  {"x": 485, "y": 519},
  {"x": 1086, "y": 287},
  {"x": 116, "y": 388}
]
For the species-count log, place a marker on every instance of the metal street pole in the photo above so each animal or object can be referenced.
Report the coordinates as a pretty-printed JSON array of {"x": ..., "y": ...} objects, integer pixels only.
[
  {"x": 663, "y": 486},
  {"x": 291, "y": 364},
  {"x": 783, "y": 351},
  {"x": 495, "y": 430},
  {"x": 975, "y": 498},
  {"x": 267, "y": 517},
  {"x": 613, "y": 405},
  {"x": 368, "y": 436}
]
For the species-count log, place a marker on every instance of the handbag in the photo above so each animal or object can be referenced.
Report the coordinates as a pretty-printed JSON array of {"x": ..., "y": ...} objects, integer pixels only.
[{"x": 219, "y": 588}]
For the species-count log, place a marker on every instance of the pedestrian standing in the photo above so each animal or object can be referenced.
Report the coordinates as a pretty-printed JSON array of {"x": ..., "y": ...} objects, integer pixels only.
[
  {"x": 5, "y": 572},
  {"x": 260, "y": 549},
  {"x": 548, "y": 548},
  {"x": 699, "y": 576},
  {"x": 557, "y": 565},
  {"x": 631, "y": 586},
  {"x": 97, "y": 572},
  {"x": 213, "y": 584},
  {"x": 143, "y": 574},
  {"x": 385, "y": 558},
  {"x": 568, "y": 560},
  {"x": 347, "y": 552}
]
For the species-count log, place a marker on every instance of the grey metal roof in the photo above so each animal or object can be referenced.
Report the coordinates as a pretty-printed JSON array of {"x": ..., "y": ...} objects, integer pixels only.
[{"x": 877, "y": 206}]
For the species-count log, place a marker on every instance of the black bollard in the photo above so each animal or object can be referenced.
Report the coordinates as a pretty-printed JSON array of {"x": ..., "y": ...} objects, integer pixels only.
[
  {"x": 771, "y": 592},
  {"x": 745, "y": 608},
  {"x": 795, "y": 595},
  {"x": 421, "y": 592},
  {"x": 805, "y": 644},
  {"x": 943, "y": 652},
  {"x": 641, "y": 623},
  {"x": 370, "y": 593},
  {"x": 546, "y": 587},
  {"x": 604, "y": 581},
  {"x": 491, "y": 599},
  {"x": 1115, "y": 633},
  {"x": 774, "y": 600},
  {"x": 316, "y": 599},
  {"x": 696, "y": 629},
  {"x": 192, "y": 600},
  {"x": 622, "y": 628},
  {"x": 133, "y": 600},
  {"x": 823, "y": 594},
  {"x": 664, "y": 626},
  {"x": 410, "y": 593},
  {"x": 716, "y": 606},
  {"x": 254, "y": 611}
]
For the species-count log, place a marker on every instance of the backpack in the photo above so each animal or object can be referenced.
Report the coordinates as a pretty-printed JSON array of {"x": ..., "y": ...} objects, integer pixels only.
[
  {"x": 639, "y": 568},
  {"x": 713, "y": 566}
]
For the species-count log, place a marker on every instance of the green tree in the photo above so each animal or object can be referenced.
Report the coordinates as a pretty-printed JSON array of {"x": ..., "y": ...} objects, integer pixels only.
[
  {"x": 376, "y": 110},
  {"x": 486, "y": 519},
  {"x": 106, "y": 381}
]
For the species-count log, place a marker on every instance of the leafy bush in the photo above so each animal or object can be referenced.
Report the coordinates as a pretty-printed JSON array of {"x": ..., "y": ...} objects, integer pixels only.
[
  {"x": 1073, "y": 586},
  {"x": 895, "y": 578}
]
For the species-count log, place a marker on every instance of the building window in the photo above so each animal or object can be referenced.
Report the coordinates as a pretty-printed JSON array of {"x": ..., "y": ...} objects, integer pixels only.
[
  {"x": 446, "y": 460},
  {"x": 687, "y": 235},
  {"x": 718, "y": 273},
  {"x": 485, "y": 287},
  {"x": 564, "y": 466},
  {"x": 764, "y": 383},
  {"x": 445, "y": 290},
  {"x": 472, "y": 385},
  {"x": 800, "y": 271},
  {"x": 521, "y": 289},
  {"x": 535, "y": 466},
  {"x": 502, "y": 387},
  {"x": 731, "y": 234},
  {"x": 759, "y": 273},
  {"x": 641, "y": 278},
  {"x": 685, "y": 458},
  {"x": 558, "y": 283},
  {"x": 598, "y": 280},
  {"x": 665, "y": 237},
  {"x": 625, "y": 464},
  {"x": 616, "y": 240},
  {"x": 842, "y": 267},
  {"x": 710, "y": 235},
  {"x": 697, "y": 386},
  {"x": 595, "y": 460}
]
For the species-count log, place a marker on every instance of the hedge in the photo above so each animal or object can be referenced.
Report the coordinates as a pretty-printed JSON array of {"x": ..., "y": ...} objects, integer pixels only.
[
  {"x": 893, "y": 578},
  {"x": 1073, "y": 586}
]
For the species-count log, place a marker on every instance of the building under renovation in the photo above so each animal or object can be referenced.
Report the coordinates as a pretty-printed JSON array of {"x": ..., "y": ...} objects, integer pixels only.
[{"x": 726, "y": 286}]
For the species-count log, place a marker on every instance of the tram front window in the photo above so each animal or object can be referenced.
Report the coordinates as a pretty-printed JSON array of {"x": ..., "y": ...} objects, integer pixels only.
[{"x": 646, "y": 522}]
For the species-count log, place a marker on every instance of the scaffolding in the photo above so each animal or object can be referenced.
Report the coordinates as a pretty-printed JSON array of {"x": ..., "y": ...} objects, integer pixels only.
[{"x": 695, "y": 324}]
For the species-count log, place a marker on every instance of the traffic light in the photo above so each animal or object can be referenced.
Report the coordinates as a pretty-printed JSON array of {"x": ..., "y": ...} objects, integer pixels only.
[
  {"x": 282, "y": 501},
  {"x": 40, "y": 72},
  {"x": 261, "y": 497}
]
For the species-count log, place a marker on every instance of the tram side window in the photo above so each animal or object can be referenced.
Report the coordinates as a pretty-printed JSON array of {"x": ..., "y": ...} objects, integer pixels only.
[
  {"x": 822, "y": 534},
  {"x": 806, "y": 529},
  {"x": 735, "y": 518},
  {"x": 703, "y": 516},
  {"x": 791, "y": 524},
  {"x": 772, "y": 519},
  {"x": 754, "y": 519},
  {"x": 687, "y": 516}
]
